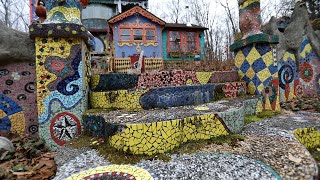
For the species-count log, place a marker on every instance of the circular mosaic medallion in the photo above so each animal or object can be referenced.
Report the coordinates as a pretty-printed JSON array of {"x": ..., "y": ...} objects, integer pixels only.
[
  {"x": 116, "y": 172},
  {"x": 286, "y": 75},
  {"x": 64, "y": 127},
  {"x": 30, "y": 87},
  {"x": 299, "y": 91},
  {"x": 57, "y": 65},
  {"x": 306, "y": 72},
  {"x": 111, "y": 175},
  {"x": 33, "y": 129}
]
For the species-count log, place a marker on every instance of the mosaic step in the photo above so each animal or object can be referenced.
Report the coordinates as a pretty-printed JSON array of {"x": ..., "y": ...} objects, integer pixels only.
[
  {"x": 309, "y": 137},
  {"x": 160, "y": 130},
  {"x": 164, "y": 97},
  {"x": 117, "y": 81}
]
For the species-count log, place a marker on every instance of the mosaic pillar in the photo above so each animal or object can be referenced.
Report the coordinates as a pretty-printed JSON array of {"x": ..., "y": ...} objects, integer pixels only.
[
  {"x": 61, "y": 66},
  {"x": 254, "y": 56}
]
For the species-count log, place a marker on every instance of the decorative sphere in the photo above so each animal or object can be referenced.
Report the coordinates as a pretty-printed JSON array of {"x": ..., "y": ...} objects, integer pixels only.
[{"x": 41, "y": 11}]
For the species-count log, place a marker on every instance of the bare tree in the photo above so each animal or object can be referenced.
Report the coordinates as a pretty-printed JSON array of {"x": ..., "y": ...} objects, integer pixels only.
[
  {"x": 173, "y": 11},
  {"x": 15, "y": 14}
]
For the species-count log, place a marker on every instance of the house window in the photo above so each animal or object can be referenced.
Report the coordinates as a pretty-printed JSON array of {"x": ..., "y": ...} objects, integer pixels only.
[
  {"x": 175, "y": 41},
  {"x": 150, "y": 35},
  {"x": 125, "y": 35},
  {"x": 137, "y": 35},
  {"x": 183, "y": 42},
  {"x": 191, "y": 41}
]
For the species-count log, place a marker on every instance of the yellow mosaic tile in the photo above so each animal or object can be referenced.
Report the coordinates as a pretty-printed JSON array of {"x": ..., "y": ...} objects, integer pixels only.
[
  {"x": 247, "y": 3},
  {"x": 307, "y": 49},
  {"x": 18, "y": 123},
  {"x": 2, "y": 114},
  {"x": 203, "y": 77},
  {"x": 239, "y": 59},
  {"x": 253, "y": 56},
  {"x": 95, "y": 79},
  {"x": 122, "y": 99},
  {"x": 69, "y": 13},
  {"x": 159, "y": 137},
  {"x": 309, "y": 137}
]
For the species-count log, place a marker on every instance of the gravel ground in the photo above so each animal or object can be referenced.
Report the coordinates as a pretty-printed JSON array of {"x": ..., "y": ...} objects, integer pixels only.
[
  {"x": 289, "y": 158},
  {"x": 82, "y": 162},
  {"x": 208, "y": 167},
  {"x": 270, "y": 141},
  {"x": 283, "y": 125},
  {"x": 156, "y": 115}
]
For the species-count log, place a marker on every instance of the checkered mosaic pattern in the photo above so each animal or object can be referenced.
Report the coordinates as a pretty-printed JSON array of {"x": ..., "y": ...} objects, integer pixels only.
[{"x": 255, "y": 66}]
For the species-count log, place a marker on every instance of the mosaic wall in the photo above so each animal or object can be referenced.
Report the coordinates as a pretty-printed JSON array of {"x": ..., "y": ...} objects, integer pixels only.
[
  {"x": 18, "y": 99},
  {"x": 309, "y": 137},
  {"x": 256, "y": 67},
  {"x": 296, "y": 81},
  {"x": 234, "y": 89},
  {"x": 159, "y": 137},
  {"x": 224, "y": 76},
  {"x": 122, "y": 99},
  {"x": 62, "y": 83},
  {"x": 165, "y": 97},
  {"x": 110, "y": 82},
  {"x": 155, "y": 98}
]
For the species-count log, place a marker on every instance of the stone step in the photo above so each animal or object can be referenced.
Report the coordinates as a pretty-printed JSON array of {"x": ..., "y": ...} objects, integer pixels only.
[
  {"x": 117, "y": 81},
  {"x": 164, "y": 97},
  {"x": 160, "y": 130}
]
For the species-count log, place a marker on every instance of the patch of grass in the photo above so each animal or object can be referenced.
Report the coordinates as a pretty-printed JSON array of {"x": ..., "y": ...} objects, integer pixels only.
[
  {"x": 259, "y": 117},
  {"x": 119, "y": 157},
  {"x": 110, "y": 153},
  {"x": 193, "y": 146}
]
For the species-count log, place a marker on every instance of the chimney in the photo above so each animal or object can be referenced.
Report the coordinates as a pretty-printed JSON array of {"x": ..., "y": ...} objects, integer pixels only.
[
  {"x": 188, "y": 17},
  {"x": 119, "y": 6}
]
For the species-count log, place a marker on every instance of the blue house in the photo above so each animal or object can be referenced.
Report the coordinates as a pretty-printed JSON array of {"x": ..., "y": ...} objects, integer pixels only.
[{"x": 133, "y": 32}]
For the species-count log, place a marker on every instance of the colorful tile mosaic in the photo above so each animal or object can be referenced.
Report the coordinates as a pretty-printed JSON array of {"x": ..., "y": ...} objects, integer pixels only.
[
  {"x": 122, "y": 65},
  {"x": 255, "y": 66},
  {"x": 224, "y": 76},
  {"x": 126, "y": 172},
  {"x": 18, "y": 99},
  {"x": 165, "y": 97},
  {"x": 111, "y": 82},
  {"x": 234, "y": 89},
  {"x": 61, "y": 87},
  {"x": 159, "y": 137},
  {"x": 294, "y": 81},
  {"x": 309, "y": 137},
  {"x": 122, "y": 99}
]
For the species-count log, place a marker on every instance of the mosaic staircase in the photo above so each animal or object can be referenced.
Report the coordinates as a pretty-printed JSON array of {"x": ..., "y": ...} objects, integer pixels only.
[{"x": 156, "y": 112}]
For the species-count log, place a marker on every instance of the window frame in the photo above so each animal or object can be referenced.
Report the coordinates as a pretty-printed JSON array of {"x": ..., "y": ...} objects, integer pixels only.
[
  {"x": 143, "y": 34},
  {"x": 184, "y": 42}
]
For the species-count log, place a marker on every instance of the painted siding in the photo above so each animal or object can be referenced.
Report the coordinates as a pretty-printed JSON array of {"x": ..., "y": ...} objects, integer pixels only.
[{"x": 131, "y": 50}]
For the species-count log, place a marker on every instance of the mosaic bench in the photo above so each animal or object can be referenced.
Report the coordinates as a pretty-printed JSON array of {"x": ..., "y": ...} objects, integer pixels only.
[{"x": 160, "y": 130}]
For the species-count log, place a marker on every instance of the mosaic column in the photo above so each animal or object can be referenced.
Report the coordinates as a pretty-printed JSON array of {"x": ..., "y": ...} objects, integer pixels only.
[
  {"x": 61, "y": 65},
  {"x": 254, "y": 56}
]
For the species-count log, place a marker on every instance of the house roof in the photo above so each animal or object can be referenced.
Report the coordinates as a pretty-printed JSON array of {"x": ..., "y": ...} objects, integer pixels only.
[
  {"x": 178, "y": 25},
  {"x": 134, "y": 10}
]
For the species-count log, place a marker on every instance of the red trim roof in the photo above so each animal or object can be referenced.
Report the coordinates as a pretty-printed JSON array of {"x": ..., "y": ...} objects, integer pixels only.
[{"x": 134, "y": 10}]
